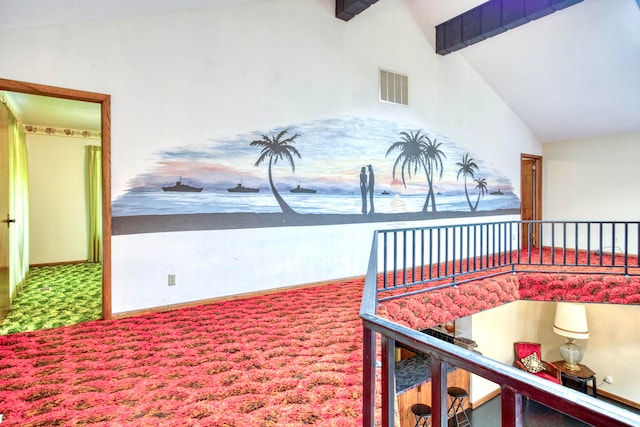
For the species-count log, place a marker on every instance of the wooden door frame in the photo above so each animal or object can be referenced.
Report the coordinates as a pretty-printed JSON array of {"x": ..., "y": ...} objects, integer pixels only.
[
  {"x": 105, "y": 115},
  {"x": 5, "y": 259},
  {"x": 537, "y": 211}
]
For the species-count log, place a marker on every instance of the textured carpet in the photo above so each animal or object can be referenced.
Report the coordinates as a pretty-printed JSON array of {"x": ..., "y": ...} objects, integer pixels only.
[
  {"x": 424, "y": 310},
  {"x": 287, "y": 359},
  {"x": 56, "y": 296}
]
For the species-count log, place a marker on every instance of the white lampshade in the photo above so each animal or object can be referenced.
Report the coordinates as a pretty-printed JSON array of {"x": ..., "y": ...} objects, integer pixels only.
[{"x": 571, "y": 320}]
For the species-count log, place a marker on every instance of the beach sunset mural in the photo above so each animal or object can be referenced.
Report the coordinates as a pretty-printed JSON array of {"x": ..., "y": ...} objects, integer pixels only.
[{"x": 338, "y": 170}]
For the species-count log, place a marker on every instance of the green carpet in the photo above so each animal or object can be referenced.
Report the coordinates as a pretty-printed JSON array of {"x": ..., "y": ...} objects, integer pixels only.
[{"x": 55, "y": 296}]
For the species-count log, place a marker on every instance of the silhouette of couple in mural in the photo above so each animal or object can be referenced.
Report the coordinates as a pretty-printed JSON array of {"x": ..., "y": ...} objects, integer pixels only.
[{"x": 367, "y": 188}]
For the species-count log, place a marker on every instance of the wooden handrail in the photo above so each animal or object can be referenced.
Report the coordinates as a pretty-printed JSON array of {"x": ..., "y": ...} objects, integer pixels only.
[{"x": 494, "y": 253}]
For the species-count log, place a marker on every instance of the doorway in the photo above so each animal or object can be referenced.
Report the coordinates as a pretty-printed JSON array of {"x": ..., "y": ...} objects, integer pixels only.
[
  {"x": 530, "y": 198},
  {"x": 105, "y": 114}
]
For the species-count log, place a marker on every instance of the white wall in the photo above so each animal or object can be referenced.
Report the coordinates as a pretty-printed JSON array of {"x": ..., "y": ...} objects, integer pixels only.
[
  {"x": 592, "y": 179},
  {"x": 189, "y": 77},
  {"x": 495, "y": 337},
  {"x": 611, "y": 350},
  {"x": 230, "y": 262},
  {"x": 58, "y": 199}
]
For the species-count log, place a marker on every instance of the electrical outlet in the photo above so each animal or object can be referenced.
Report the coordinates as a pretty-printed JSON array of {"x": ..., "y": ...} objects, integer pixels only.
[
  {"x": 608, "y": 379},
  {"x": 172, "y": 280}
]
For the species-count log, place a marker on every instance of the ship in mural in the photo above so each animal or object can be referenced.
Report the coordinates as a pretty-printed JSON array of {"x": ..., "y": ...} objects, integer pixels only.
[
  {"x": 302, "y": 190},
  {"x": 239, "y": 188},
  {"x": 183, "y": 188}
]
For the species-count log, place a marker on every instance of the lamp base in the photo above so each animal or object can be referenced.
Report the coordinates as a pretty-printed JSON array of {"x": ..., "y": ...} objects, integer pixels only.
[
  {"x": 572, "y": 355},
  {"x": 571, "y": 367}
]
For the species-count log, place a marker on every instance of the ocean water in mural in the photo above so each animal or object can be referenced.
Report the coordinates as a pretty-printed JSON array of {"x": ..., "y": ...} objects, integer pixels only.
[
  {"x": 161, "y": 203},
  {"x": 345, "y": 166}
]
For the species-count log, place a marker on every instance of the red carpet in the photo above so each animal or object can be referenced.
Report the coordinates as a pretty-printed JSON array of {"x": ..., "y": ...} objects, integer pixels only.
[
  {"x": 287, "y": 359},
  {"x": 427, "y": 309}
]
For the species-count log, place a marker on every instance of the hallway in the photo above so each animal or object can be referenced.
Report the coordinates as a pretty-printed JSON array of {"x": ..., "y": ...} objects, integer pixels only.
[{"x": 55, "y": 296}]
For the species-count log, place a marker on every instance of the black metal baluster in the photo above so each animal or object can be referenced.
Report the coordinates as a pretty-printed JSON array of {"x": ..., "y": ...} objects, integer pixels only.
[
  {"x": 431, "y": 253},
  {"x": 384, "y": 260},
  {"x": 601, "y": 247}
]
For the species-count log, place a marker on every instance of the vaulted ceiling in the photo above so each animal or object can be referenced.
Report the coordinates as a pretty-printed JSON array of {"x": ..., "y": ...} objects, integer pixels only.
[{"x": 569, "y": 75}]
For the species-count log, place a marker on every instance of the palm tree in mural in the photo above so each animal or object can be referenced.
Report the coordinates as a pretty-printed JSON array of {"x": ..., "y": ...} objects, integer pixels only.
[
  {"x": 277, "y": 148},
  {"x": 434, "y": 163},
  {"x": 468, "y": 167},
  {"x": 417, "y": 151},
  {"x": 412, "y": 147},
  {"x": 481, "y": 186}
]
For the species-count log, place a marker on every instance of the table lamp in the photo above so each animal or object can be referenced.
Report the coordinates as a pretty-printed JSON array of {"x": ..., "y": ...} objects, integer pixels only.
[{"x": 571, "y": 322}]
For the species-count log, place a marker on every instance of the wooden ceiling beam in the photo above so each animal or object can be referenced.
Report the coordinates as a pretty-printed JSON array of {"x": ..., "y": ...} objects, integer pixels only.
[
  {"x": 492, "y": 18},
  {"x": 347, "y": 9}
]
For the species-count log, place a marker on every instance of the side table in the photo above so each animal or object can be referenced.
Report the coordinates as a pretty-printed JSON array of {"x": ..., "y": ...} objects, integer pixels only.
[{"x": 580, "y": 377}]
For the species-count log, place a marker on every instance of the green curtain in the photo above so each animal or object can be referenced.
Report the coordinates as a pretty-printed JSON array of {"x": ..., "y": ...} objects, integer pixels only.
[
  {"x": 18, "y": 206},
  {"x": 94, "y": 168}
]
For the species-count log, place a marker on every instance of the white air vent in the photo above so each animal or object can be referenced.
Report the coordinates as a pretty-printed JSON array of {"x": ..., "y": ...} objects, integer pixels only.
[{"x": 394, "y": 87}]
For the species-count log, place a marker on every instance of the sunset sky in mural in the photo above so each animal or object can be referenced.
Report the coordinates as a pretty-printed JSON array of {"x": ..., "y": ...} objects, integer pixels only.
[{"x": 332, "y": 153}]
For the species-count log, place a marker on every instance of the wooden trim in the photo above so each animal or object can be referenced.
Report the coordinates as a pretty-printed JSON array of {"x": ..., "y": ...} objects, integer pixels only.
[
  {"x": 52, "y": 91},
  {"x": 618, "y": 399},
  {"x": 164, "y": 308},
  {"x": 105, "y": 112},
  {"x": 486, "y": 398},
  {"x": 105, "y": 101}
]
